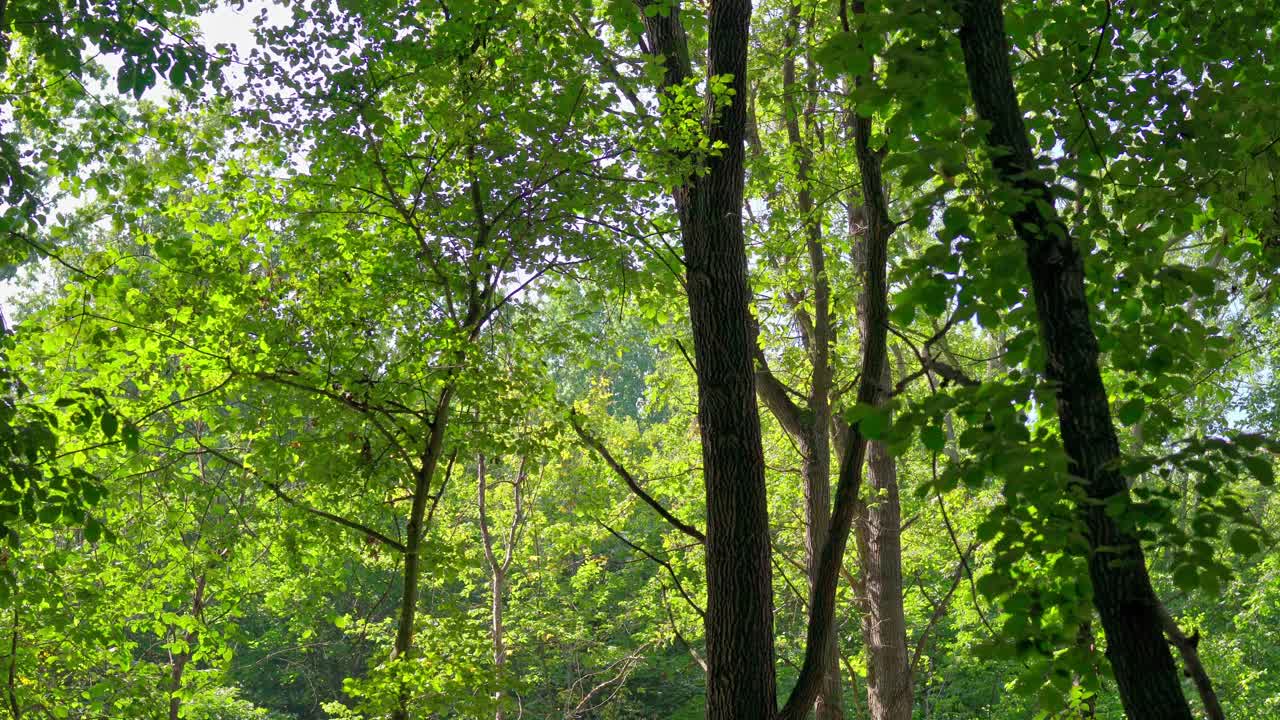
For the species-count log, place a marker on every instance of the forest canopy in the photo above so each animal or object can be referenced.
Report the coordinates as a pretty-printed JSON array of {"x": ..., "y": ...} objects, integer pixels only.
[{"x": 623, "y": 359}]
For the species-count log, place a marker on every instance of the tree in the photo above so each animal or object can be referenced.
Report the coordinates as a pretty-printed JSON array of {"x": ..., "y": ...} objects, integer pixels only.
[
  {"x": 270, "y": 332},
  {"x": 739, "y": 624},
  {"x": 1145, "y": 673}
]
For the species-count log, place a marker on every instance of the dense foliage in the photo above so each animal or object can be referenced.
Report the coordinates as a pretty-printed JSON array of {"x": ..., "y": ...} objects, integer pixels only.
[{"x": 369, "y": 365}]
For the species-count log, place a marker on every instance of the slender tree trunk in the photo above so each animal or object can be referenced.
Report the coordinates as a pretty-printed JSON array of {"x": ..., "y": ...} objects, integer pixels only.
[
  {"x": 830, "y": 702},
  {"x": 813, "y": 433},
  {"x": 179, "y": 662},
  {"x": 4, "y": 35},
  {"x": 426, "y": 470},
  {"x": 1084, "y": 639},
  {"x": 853, "y": 443},
  {"x": 13, "y": 643},
  {"x": 890, "y": 690},
  {"x": 739, "y": 622},
  {"x": 498, "y": 569},
  {"x": 1127, "y": 605},
  {"x": 498, "y": 590}
]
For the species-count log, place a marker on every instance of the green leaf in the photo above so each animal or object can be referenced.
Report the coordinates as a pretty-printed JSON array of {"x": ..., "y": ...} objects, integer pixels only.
[
  {"x": 130, "y": 436},
  {"x": 1261, "y": 468},
  {"x": 993, "y": 584},
  {"x": 1210, "y": 583},
  {"x": 1131, "y": 411},
  {"x": 109, "y": 424},
  {"x": 1244, "y": 542},
  {"x": 1185, "y": 577},
  {"x": 933, "y": 438},
  {"x": 988, "y": 529},
  {"x": 874, "y": 424},
  {"x": 844, "y": 54}
]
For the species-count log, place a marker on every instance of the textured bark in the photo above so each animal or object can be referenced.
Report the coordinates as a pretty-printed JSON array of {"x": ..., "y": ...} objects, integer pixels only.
[
  {"x": 890, "y": 679},
  {"x": 878, "y": 526},
  {"x": 739, "y": 623},
  {"x": 1127, "y": 605},
  {"x": 817, "y": 478}
]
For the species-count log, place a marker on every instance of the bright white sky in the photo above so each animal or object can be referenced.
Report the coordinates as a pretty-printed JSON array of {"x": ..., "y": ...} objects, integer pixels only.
[{"x": 235, "y": 27}]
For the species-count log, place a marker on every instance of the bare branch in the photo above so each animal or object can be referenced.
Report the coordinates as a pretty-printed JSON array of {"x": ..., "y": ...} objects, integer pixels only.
[
  {"x": 674, "y": 577},
  {"x": 630, "y": 480}
]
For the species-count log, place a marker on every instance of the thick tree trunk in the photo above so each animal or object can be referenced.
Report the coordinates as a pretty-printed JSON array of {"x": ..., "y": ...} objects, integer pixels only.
[
  {"x": 1143, "y": 666},
  {"x": 739, "y": 623},
  {"x": 890, "y": 690}
]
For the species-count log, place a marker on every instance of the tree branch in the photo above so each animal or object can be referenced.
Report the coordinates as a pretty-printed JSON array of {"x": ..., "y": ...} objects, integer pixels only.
[
  {"x": 630, "y": 480},
  {"x": 674, "y": 577},
  {"x": 280, "y": 493},
  {"x": 1188, "y": 648}
]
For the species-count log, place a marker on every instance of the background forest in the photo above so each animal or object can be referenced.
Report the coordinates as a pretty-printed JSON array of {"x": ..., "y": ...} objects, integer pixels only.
[{"x": 404, "y": 359}]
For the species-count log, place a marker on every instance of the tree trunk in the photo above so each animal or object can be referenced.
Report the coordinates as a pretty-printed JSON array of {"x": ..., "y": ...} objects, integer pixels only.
[
  {"x": 413, "y": 540},
  {"x": 814, "y": 433},
  {"x": 498, "y": 569},
  {"x": 853, "y": 444},
  {"x": 179, "y": 662},
  {"x": 890, "y": 693},
  {"x": 739, "y": 623},
  {"x": 1143, "y": 666},
  {"x": 890, "y": 689},
  {"x": 817, "y": 467},
  {"x": 498, "y": 588}
]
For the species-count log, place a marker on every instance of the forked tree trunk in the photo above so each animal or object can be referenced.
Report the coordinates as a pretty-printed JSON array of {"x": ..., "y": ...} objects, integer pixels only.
[
  {"x": 813, "y": 434},
  {"x": 1143, "y": 666},
  {"x": 890, "y": 680},
  {"x": 853, "y": 446},
  {"x": 499, "y": 568}
]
